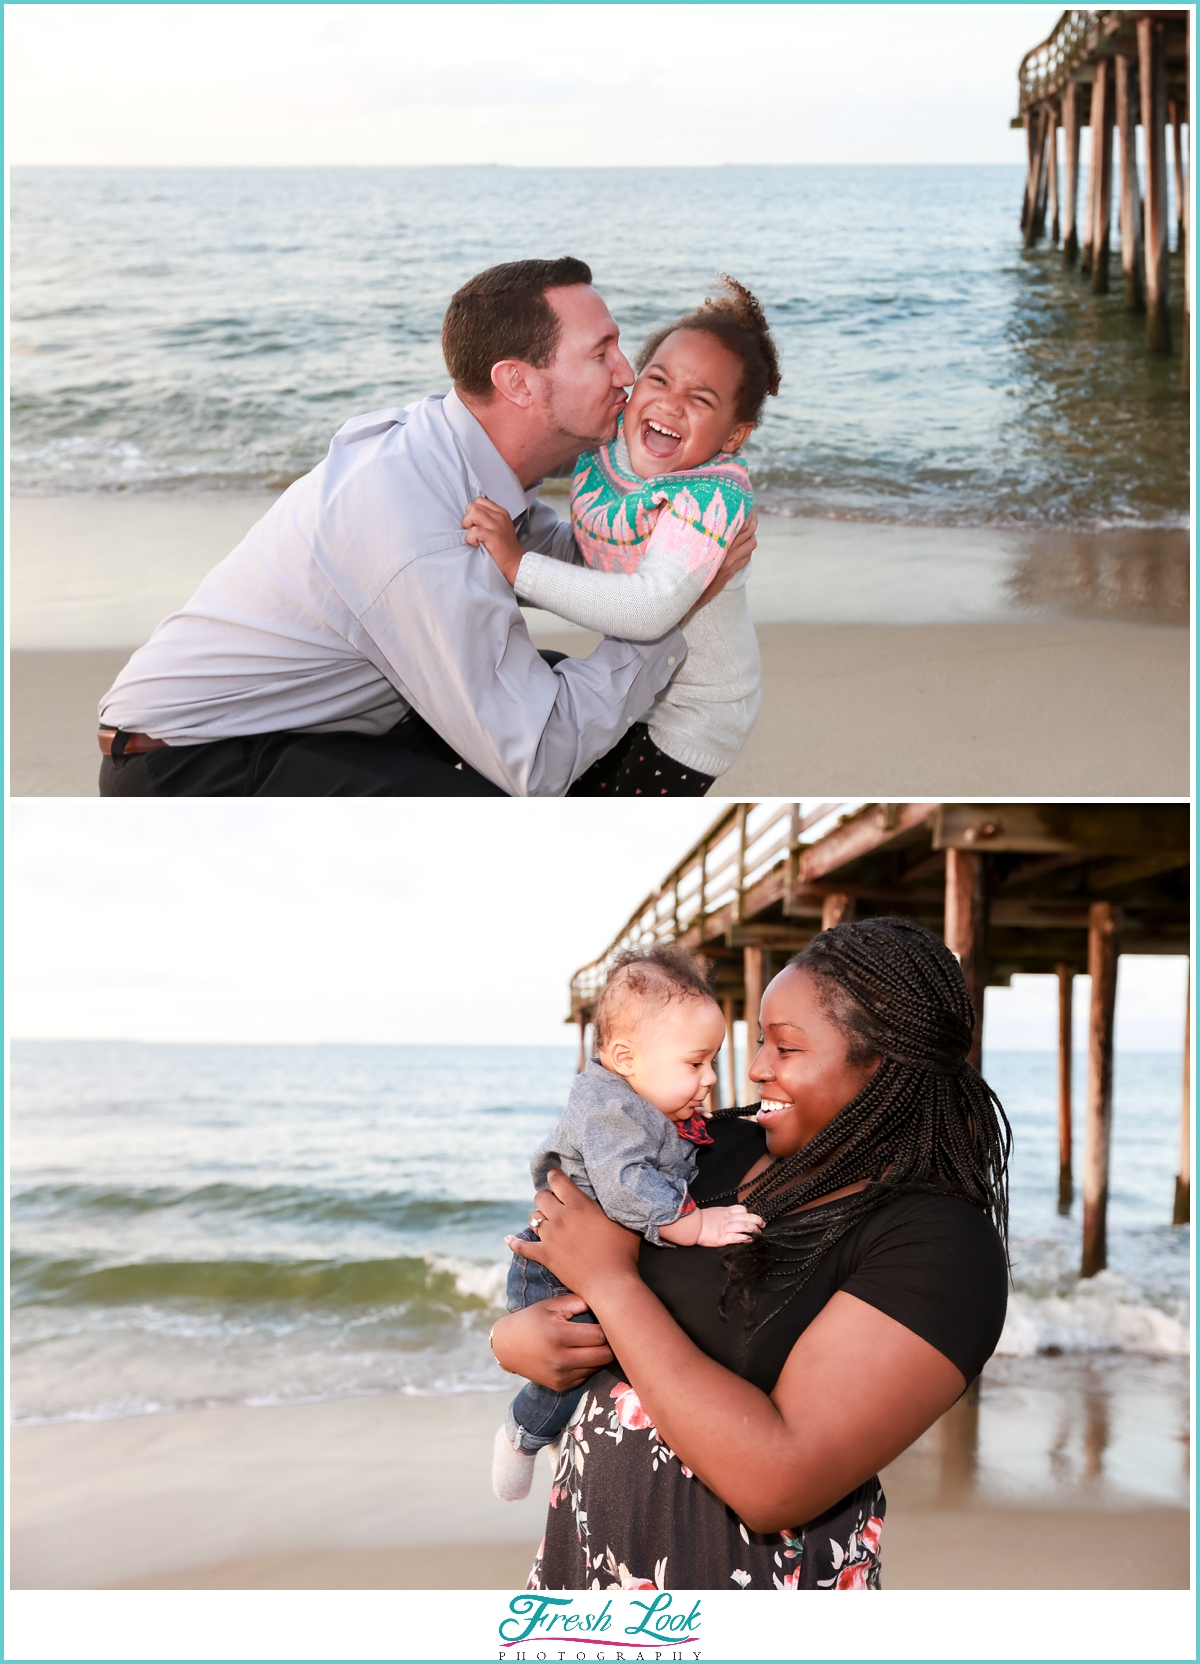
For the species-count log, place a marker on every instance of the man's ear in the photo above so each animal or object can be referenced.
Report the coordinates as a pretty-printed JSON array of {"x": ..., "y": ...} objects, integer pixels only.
[
  {"x": 620, "y": 1057},
  {"x": 511, "y": 379},
  {"x": 737, "y": 438}
]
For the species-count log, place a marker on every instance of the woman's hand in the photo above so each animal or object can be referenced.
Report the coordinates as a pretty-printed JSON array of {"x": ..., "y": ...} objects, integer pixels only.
[
  {"x": 541, "y": 1343},
  {"x": 490, "y": 527},
  {"x": 737, "y": 556},
  {"x": 583, "y": 1247}
]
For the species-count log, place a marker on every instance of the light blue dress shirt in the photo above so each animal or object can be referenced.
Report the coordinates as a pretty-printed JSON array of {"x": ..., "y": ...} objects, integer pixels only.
[{"x": 356, "y": 599}]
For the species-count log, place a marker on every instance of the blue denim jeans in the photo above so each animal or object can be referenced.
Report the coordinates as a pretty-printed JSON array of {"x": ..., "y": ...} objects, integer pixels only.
[{"x": 537, "y": 1415}]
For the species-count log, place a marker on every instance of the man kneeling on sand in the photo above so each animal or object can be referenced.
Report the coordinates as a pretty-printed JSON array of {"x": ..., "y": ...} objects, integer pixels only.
[{"x": 354, "y": 643}]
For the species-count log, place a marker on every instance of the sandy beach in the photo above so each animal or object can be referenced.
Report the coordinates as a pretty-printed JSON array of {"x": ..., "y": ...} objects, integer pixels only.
[
  {"x": 1047, "y": 1478},
  {"x": 1006, "y": 663},
  {"x": 880, "y": 710}
]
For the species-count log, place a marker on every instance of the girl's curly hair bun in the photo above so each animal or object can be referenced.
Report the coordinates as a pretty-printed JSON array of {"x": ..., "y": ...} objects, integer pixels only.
[{"x": 738, "y": 321}]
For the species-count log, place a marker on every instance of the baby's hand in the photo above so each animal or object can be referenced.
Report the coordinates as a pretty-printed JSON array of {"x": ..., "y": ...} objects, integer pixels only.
[
  {"x": 490, "y": 527},
  {"x": 721, "y": 1227}
]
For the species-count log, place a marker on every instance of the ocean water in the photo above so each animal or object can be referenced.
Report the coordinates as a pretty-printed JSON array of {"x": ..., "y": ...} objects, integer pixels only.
[
  {"x": 205, "y": 1225},
  {"x": 211, "y": 328}
]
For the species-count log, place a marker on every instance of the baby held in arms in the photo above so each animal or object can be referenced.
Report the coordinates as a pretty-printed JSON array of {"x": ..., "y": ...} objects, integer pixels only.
[
  {"x": 653, "y": 513},
  {"x": 628, "y": 1139}
]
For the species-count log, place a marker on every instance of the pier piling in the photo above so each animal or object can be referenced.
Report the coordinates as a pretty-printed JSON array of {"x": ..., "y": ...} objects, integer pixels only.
[
  {"x": 1102, "y": 167},
  {"x": 966, "y": 930},
  {"x": 836, "y": 909},
  {"x": 1089, "y": 208},
  {"x": 1035, "y": 208},
  {"x": 1183, "y": 1184},
  {"x": 1072, "y": 127},
  {"x": 1153, "y": 83},
  {"x": 1052, "y": 163},
  {"x": 753, "y": 973},
  {"x": 1066, "y": 1181},
  {"x": 731, "y": 1074},
  {"x": 1174, "y": 118},
  {"x": 1132, "y": 255},
  {"x": 1103, "y": 953}
]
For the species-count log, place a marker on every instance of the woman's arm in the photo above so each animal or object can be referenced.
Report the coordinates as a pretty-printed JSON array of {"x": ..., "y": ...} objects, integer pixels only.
[
  {"x": 856, "y": 1390},
  {"x": 541, "y": 1343}
]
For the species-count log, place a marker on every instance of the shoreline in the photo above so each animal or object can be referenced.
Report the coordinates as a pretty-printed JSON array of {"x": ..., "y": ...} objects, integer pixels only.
[
  {"x": 97, "y": 570},
  {"x": 394, "y": 1492}
]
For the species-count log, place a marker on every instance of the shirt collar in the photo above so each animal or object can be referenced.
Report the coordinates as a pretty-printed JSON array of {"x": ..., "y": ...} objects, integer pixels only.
[
  {"x": 694, "y": 1129},
  {"x": 496, "y": 479}
]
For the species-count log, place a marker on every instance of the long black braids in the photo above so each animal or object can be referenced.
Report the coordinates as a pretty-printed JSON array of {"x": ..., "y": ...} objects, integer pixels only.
[{"x": 926, "y": 1122}]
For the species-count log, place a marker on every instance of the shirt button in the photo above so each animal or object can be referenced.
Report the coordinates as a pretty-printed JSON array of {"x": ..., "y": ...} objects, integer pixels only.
[{"x": 670, "y": 661}]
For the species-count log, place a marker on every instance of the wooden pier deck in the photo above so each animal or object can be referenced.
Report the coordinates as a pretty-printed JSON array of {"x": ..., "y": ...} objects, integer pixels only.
[
  {"x": 1112, "y": 71},
  {"x": 1053, "y": 888}
]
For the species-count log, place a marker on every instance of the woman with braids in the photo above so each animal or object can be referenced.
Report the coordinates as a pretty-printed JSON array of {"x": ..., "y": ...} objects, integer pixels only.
[{"x": 760, "y": 1388}]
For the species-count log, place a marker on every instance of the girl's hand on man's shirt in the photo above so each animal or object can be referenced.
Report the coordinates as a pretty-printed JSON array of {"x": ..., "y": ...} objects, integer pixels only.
[{"x": 490, "y": 527}]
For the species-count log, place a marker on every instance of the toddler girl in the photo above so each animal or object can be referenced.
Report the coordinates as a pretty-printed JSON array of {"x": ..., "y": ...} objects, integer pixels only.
[
  {"x": 653, "y": 513},
  {"x": 628, "y": 1138}
]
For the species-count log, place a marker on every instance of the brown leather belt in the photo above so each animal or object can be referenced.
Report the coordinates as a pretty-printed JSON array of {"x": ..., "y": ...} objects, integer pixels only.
[{"x": 110, "y": 745}]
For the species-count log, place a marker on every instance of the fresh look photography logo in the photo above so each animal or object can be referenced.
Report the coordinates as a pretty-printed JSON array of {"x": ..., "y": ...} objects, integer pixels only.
[{"x": 623, "y": 1628}]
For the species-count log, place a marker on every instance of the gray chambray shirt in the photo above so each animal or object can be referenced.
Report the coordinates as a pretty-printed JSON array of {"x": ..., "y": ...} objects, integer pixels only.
[{"x": 620, "y": 1151}]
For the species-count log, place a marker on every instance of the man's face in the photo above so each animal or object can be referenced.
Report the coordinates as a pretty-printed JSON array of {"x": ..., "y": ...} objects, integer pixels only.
[{"x": 584, "y": 386}]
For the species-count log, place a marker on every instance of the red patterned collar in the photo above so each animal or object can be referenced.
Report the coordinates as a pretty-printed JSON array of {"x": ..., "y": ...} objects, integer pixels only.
[{"x": 694, "y": 1129}]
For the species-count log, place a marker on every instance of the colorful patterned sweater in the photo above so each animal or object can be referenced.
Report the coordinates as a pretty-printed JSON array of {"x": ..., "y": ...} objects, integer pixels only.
[{"x": 651, "y": 548}]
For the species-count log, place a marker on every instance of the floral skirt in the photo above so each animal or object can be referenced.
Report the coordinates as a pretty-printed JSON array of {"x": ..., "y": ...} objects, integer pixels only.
[{"x": 626, "y": 1514}]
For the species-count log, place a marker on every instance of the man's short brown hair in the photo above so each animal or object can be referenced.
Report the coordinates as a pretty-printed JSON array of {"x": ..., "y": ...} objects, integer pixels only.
[
  {"x": 504, "y": 313},
  {"x": 650, "y": 978}
]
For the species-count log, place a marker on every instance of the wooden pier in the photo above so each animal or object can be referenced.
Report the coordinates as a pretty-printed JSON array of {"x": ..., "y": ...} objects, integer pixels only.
[
  {"x": 1055, "y": 889},
  {"x": 1112, "y": 71}
]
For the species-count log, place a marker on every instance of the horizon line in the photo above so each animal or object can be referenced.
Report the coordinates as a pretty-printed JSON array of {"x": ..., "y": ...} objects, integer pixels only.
[{"x": 515, "y": 167}]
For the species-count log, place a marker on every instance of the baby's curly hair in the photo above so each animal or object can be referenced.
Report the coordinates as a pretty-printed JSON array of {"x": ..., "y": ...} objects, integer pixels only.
[
  {"x": 739, "y": 323},
  {"x": 648, "y": 977}
]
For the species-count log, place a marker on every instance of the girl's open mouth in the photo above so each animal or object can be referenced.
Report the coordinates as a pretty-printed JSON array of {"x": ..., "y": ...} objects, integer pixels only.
[
  {"x": 771, "y": 1111},
  {"x": 660, "y": 440}
]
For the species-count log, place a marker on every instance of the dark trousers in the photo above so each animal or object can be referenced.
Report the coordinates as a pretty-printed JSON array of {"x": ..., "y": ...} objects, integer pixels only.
[
  {"x": 635, "y": 767},
  {"x": 410, "y": 760}
]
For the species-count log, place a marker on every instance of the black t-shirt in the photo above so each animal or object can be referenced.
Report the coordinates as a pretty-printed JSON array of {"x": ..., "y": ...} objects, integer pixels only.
[{"x": 934, "y": 1263}]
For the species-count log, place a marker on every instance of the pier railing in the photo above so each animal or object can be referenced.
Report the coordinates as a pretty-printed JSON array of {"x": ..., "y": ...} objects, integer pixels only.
[
  {"x": 741, "y": 848},
  {"x": 1046, "y": 69}
]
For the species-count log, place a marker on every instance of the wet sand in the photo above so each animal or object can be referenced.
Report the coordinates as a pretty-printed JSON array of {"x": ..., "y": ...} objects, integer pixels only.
[
  {"x": 896, "y": 661},
  {"x": 849, "y": 710},
  {"x": 1068, "y": 1474}
]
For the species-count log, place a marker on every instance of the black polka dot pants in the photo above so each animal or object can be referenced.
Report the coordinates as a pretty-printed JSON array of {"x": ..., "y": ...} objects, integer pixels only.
[{"x": 635, "y": 767}]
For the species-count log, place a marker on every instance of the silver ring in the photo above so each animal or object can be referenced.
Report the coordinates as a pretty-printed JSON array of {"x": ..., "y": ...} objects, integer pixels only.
[{"x": 535, "y": 1219}]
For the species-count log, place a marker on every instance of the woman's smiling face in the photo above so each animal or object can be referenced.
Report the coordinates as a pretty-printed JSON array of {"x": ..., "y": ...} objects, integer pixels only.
[
  {"x": 801, "y": 1067},
  {"x": 683, "y": 408}
]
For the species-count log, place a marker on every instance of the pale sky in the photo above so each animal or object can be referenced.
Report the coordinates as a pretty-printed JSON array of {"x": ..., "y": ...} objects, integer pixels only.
[
  {"x": 419, "y": 921},
  {"x": 395, "y": 85}
]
